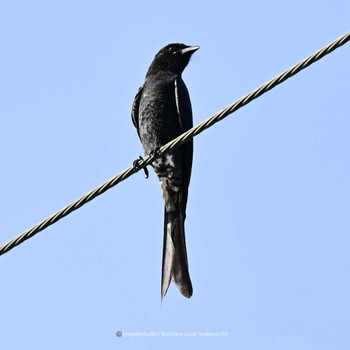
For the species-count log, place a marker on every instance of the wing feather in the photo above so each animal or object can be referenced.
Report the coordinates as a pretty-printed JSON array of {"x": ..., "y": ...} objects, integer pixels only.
[
  {"x": 135, "y": 109},
  {"x": 184, "y": 110}
]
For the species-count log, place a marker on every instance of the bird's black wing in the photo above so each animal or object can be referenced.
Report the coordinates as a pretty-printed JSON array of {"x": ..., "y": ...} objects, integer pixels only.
[
  {"x": 184, "y": 110},
  {"x": 175, "y": 263},
  {"x": 135, "y": 109}
]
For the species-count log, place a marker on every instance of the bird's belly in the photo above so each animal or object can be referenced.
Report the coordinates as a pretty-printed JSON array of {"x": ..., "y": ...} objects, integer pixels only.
[
  {"x": 156, "y": 129},
  {"x": 158, "y": 124}
]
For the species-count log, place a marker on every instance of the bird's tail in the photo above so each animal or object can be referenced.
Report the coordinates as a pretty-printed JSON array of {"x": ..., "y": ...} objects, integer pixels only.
[{"x": 175, "y": 265}]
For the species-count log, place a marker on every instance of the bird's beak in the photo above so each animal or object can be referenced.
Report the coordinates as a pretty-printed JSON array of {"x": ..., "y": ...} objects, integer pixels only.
[{"x": 190, "y": 49}]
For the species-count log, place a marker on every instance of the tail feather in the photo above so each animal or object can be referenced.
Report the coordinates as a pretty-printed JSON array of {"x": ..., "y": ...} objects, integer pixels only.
[
  {"x": 175, "y": 265},
  {"x": 168, "y": 255}
]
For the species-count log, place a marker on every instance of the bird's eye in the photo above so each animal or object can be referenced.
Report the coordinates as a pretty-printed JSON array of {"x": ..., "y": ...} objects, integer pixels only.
[{"x": 172, "y": 49}]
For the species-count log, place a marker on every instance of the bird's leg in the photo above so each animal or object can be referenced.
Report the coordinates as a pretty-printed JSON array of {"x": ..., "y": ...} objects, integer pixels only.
[
  {"x": 136, "y": 163},
  {"x": 154, "y": 152}
]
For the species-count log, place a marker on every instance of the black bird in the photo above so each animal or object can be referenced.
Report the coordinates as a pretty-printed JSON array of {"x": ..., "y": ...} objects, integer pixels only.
[{"x": 162, "y": 111}]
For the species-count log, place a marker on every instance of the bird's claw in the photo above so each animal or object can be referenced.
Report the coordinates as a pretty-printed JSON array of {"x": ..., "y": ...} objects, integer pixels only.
[
  {"x": 154, "y": 152},
  {"x": 136, "y": 163}
]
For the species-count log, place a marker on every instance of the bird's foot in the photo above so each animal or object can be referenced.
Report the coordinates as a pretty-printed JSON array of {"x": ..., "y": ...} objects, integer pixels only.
[
  {"x": 154, "y": 152},
  {"x": 136, "y": 164}
]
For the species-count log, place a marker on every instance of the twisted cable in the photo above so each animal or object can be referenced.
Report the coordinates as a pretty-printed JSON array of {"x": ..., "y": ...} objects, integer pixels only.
[{"x": 176, "y": 143}]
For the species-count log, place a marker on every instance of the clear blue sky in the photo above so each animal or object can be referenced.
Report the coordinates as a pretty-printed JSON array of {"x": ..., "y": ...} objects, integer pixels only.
[{"x": 268, "y": 225}]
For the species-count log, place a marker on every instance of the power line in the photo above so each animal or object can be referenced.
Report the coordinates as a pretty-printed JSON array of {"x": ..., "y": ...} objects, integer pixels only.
[{"x": 176, "y": 143}]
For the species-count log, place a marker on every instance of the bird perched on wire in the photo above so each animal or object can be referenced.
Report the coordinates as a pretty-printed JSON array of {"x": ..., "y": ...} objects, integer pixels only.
[{"x": 162, "y": 111}]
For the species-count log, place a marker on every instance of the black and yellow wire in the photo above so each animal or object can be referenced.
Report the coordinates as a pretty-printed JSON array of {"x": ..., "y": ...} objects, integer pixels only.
[{"x": 176, "y": 143}]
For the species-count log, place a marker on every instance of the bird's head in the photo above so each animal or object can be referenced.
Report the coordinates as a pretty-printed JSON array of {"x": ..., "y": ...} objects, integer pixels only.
[{"x": 173, "y": 58}]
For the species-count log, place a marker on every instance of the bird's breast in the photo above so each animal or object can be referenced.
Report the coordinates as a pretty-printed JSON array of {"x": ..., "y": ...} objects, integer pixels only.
[{"x": 158, "y": 118}]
